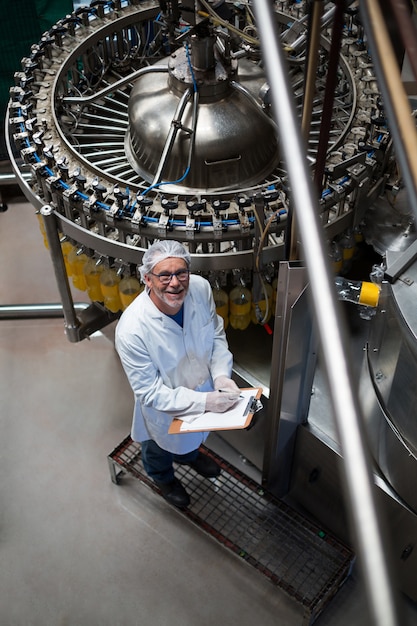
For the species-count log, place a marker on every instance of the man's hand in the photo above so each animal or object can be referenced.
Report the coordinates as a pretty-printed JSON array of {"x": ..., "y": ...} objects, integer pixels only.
[
  {"x": 219, "y": 402},
  {"x": 226, "y": 384}
]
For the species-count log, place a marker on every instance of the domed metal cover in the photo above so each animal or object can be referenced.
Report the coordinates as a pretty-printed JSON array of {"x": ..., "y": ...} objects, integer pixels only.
[{"x": 234, "y": 143}]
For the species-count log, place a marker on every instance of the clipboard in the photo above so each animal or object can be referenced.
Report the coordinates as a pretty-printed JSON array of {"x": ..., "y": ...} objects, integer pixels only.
[{"x": 238, "y": 417}]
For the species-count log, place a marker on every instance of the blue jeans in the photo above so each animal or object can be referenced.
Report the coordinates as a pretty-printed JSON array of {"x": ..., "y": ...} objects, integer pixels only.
[{"x": 158, "y": 462}]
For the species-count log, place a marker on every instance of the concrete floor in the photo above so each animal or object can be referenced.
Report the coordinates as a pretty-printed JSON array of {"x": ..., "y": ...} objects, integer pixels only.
[{"x": 77, "y": 550}]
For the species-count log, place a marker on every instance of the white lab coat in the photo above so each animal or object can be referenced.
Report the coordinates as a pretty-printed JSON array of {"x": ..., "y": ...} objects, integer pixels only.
[{"x": 169, "y": 367}]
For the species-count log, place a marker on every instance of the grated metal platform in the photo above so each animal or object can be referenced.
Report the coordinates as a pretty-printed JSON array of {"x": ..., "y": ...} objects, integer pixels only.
[{"x": 292, "y": 552}]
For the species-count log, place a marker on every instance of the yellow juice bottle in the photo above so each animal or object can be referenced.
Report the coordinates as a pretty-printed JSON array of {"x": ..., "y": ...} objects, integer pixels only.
[
  {"x": 109, "y": 283},
  {"x": 66, "y": 247},
  {"x": 76, "y": 262},
  {"x": 42, "y": 229},
  {"x": 92, "y": 273},
  {"x": 336, "y": 257},
  {"x": 221, "y": 300},
  {"x": 240, "y": 301},
  {"x": 129, "y": 289}
]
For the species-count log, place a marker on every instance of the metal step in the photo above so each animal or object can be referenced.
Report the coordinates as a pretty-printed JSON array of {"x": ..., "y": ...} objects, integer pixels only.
[{"x": 292, "y": 552}]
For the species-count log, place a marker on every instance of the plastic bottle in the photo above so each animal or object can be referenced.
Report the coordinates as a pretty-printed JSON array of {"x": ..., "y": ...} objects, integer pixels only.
[
  {"x": 129, "y": 289},
  {"x": 336, "y": 256},
  {"x": 358, "y": 292},
  {"x": 76, "y": 261},
  {"x": 358, "y": 234},
  {"x": 66, "y": 247},
  {"x": 240, "y": 300},
  {"x": 221, "y": 300},
  {"x": 109, "y": 283},
  {"x": 263, "y": 307},
  {"x": 92, "y": 273},
  {"x": 348, "y": 244},
  {"x": 42, "y": 229}
]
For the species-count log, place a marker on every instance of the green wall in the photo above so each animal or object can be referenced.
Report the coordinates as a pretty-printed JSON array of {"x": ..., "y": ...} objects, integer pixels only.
[{"x": 22, "y": 23}]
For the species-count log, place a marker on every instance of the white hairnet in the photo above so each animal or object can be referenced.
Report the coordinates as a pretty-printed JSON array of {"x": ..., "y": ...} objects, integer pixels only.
[{"x": 161, "y": 250}]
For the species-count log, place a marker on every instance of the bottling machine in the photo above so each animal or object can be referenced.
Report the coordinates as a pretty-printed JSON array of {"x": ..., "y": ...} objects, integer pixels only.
[{"x": 134, "y": 120}]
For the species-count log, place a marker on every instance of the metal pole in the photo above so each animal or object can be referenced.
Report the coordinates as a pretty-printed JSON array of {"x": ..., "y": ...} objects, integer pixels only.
[
  {"x": 71, "y": 321},
  {"x": 35, "y": 311},
  {"x": 316, "y": 8},
  {"x": 359, "y": 488},
  {"x": 402, "y": 125}
]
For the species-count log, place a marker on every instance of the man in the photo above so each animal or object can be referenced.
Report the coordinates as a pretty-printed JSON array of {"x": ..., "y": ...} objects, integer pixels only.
[{"x": 174, "y": 351}]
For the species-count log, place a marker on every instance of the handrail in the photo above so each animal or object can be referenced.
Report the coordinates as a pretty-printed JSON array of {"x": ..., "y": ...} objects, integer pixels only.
[{"x": 360, "y": 496}]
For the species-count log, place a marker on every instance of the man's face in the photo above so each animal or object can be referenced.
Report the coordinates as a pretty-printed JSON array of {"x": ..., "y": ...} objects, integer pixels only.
[{"x": 168, "y": 297}]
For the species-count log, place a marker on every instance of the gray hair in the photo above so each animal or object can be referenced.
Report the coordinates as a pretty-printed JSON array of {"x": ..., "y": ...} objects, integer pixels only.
[{"x": 161, "y": 250}]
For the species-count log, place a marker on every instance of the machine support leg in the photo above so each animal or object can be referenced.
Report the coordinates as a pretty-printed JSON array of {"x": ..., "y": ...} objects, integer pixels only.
[
  {"x": 114, "y": 474},
  {"x": 72, "y": 323}
]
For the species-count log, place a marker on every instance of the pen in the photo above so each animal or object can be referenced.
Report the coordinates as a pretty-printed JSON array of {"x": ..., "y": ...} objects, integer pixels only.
[{"x": 228, "y": 391}]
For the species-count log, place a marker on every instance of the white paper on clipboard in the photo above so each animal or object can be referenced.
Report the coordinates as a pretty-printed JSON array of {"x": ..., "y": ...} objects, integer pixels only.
[{"x": 238, "y": 416}]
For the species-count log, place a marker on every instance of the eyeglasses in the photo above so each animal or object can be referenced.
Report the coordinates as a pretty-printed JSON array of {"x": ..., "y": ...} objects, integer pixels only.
[{"x": 166, "y": 277}]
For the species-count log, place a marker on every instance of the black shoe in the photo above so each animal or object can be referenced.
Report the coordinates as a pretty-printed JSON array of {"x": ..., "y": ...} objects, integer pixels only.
[
  {"x": 174, "y": 493},
  {"x": 205, "y": 466}
]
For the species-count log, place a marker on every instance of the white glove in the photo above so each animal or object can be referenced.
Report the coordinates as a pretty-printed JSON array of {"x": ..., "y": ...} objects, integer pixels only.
[
  {"x": 218, "y": 402},
  {"x": 226, "y": 384}
]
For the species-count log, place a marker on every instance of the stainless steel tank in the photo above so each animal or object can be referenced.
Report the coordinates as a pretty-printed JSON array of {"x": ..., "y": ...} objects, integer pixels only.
[
  {"x": 389, "y": 389},
  {"x": 234, "y": 142}
]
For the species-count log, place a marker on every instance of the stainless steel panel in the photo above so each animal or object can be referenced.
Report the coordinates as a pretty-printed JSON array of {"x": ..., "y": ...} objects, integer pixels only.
[
  {"x": 316, "y": 487},
  {"x": 292, "y": 369},
  {"x": 391, "y": 452}
]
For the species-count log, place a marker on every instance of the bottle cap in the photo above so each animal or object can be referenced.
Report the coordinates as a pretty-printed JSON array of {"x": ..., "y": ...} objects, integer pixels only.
[{"x": 369, "y": 294}]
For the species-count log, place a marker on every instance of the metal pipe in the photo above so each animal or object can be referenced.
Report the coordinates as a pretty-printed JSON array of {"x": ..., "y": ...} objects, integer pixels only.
[
  {"x": 369, "y": 533},
  {"x": 98, "y": 135},
  {"x": 93, "y": 127},
  {"x": 172, "y": 134},
  {"x": 325, "y": 20},
  {"x": 196, "y": 99},
  {"x": 117, "y": 160},
  {"x": 36, "y": 311},
  {"x": 111, "y": 88},
  {"x": 10, "y": 178},
  {"x": 402, "y": 125},
  {"x": 112, "y": 152}
]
